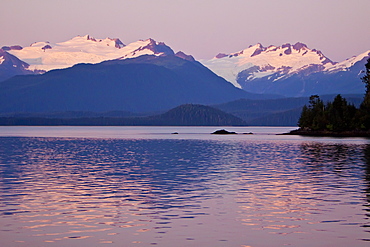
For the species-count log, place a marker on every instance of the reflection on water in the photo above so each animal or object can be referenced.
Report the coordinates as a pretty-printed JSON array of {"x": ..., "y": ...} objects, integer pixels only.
[{"x": 144, "y": 192}]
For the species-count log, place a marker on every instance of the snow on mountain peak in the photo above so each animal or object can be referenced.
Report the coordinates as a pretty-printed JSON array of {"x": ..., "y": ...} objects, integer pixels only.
[
  {"x": 40, "y": 44},
  {"x": 85, "y": 49},
  {"x": 147, "y": 47},
  {"x": 83, "y": 38},
  {"x": 117, "y": 43},
  {"x": 87, "y": 40},
  {"x": 258, "y": 61},
  {"x": 349, "y": 62}
]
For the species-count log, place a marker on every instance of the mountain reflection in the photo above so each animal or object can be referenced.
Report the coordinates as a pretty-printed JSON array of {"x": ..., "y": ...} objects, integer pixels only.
[{"x": 150, "y": 191}]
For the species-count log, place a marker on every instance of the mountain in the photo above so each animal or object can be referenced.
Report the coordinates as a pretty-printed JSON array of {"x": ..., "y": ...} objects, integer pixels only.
[
  {"x": 289, "y": 70},
  {"x": 10, "y": 66},
  {"x": 184, "y": 115},
  {"x": 144, "y": 84},
  {"x": 84, "y": 49}
]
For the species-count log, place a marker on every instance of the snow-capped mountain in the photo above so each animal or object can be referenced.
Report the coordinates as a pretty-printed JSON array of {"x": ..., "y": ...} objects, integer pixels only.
[
  {"x": 348, "y": 63},
  {"x": 84, "y": 49},
  {"x": 290, "y": 70},
  {"x": 10, "y": 66},
  {"x": 273, "y": 62}
]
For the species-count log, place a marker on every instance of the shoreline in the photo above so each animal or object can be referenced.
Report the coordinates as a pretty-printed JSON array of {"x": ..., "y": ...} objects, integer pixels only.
[{"x": 327, "y": 133}]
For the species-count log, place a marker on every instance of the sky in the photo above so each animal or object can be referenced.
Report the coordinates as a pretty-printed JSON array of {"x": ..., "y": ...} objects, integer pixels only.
[{"x": 202, "y": 28}]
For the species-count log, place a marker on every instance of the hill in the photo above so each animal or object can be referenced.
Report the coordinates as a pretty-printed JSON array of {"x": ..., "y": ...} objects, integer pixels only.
[{"x": 198, "y": 115}]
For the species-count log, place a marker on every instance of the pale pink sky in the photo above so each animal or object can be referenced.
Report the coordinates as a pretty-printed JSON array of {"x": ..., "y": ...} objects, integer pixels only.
[{"x": 202, "y": 28}]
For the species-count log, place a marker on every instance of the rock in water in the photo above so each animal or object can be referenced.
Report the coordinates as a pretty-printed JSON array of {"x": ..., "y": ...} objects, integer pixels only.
[{"x": 223, "y": 132}]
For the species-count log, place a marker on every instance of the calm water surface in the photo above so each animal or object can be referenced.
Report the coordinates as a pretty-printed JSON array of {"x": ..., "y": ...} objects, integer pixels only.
[{"x": 142, "y": 186}]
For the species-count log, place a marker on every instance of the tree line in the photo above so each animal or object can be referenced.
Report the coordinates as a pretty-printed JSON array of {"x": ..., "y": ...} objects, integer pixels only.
[{"x": 338, "y": 115}]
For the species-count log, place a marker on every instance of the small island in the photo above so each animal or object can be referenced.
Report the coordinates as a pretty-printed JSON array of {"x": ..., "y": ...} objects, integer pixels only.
[
  {"x": 223, "y": 132},
  {"x": 337, "y": 118},
  {"x": 226, "y": 132}
]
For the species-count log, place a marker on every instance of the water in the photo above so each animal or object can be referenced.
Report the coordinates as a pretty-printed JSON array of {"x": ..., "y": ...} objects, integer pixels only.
[{"x": 143, "y": 186}]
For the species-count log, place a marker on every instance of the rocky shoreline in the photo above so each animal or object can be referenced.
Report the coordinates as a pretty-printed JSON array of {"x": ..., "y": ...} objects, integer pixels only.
[{"x": 323, "y": 133}]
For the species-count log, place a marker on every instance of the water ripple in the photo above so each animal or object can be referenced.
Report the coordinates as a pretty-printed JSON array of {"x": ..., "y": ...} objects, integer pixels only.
[{"x": 140, "y": 192}]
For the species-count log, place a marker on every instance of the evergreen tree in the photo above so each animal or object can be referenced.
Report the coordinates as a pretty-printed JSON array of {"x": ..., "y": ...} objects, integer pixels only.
[
  {"x": 305, "y": 120},
  {"x": 338, "y": 115},
  {"x": 313, "y": 116},
  {"x": 318, "y": 112},
  {"x": 364, "y": 114},
  {"x": 366, "y": 78}
]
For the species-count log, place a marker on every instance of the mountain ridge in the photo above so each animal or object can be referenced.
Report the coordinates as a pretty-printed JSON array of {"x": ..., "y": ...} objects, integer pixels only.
[
  {"x": 84, "y": 49},
  {"x": 289, "y": 70},
  {"x": 142, "y": 84}
]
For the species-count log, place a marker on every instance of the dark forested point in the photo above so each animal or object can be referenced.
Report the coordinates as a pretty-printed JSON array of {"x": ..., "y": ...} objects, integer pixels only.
[{"x": 336, "y": 118}]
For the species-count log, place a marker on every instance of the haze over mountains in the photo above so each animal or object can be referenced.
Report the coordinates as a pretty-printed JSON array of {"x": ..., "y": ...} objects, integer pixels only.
[{"x": 85, "y": 74}]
